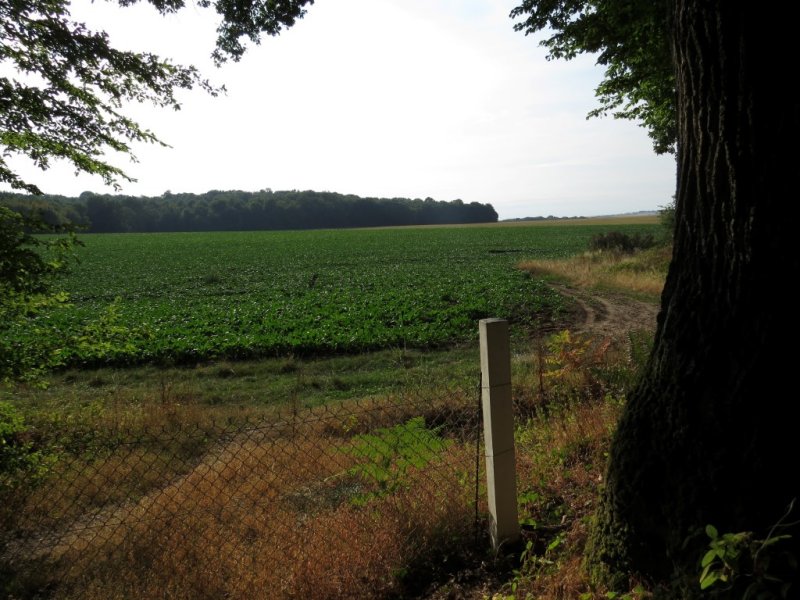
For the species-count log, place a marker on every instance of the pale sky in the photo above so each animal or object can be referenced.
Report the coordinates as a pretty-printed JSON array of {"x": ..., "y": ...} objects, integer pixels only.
[{"x": 383, "y": 98}]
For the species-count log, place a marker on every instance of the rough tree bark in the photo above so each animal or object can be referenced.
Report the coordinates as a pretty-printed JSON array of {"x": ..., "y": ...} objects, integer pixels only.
[{"x": 709, "y": 434}]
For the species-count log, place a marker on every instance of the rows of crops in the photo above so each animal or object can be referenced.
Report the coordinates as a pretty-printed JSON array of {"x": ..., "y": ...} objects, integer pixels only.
[{"x": 183, "y": 297}]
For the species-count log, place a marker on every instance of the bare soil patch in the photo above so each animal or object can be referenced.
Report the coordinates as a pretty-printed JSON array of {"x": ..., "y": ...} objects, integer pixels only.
[{"x": 609, "y": 314}]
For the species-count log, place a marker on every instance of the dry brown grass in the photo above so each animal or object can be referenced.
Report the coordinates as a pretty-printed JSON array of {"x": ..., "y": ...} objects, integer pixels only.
[
  {"x": 642, "y": 273},
  {"x": 272, "y": 512},
  {"x": 267, "y": 523}
]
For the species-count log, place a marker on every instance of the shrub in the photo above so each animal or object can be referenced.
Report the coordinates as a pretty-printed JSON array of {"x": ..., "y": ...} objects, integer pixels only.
[
  {"x": 667, "y": 218},
  {"x": 621, "y": 242},
  {"x": 19, "y": 461}
]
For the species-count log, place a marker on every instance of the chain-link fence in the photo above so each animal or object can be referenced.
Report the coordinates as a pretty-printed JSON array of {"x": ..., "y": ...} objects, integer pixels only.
[{"x": 353, "y": 499}]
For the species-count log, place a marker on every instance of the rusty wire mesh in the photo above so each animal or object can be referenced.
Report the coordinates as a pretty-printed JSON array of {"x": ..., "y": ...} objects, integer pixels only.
[{"x": 341, "y": 500}]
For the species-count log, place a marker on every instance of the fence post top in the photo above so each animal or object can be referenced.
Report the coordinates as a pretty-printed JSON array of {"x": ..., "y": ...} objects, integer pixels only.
[
  {"x": 493, "y": 327},
  {"x": 492, "y": 320}
]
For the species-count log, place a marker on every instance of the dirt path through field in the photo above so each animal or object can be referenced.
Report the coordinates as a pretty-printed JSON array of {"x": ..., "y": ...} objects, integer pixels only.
[{"x": 609, "y": 314}]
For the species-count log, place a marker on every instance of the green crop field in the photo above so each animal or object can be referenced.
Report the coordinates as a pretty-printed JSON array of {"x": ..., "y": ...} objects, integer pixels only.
[{"x": 176, "y": 298}]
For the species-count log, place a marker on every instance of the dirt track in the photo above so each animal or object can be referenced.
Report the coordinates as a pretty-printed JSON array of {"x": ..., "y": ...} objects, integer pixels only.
[{"x": 610, "y": 314}]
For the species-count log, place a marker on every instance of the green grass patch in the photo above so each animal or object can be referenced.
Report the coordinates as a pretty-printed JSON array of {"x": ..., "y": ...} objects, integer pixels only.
[{"x": 93, "y": 395}]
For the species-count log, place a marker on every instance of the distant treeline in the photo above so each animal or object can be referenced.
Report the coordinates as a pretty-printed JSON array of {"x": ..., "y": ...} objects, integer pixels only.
[
  {"x": 237, "y": 210},
  {"x": 547, "y": 218}
]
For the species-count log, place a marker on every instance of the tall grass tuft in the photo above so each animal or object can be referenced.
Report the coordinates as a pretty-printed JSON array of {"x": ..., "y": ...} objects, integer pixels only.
[{"x": 642, "y": 273}]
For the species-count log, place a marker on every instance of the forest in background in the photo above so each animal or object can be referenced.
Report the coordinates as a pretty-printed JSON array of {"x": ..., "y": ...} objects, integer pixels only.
[{"x": 242, "y": 211}]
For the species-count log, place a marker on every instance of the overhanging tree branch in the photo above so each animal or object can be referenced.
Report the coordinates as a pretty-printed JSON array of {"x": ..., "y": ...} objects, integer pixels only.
[
  {"x": 69, "y": 84},
  {"x": 631, "y": 41}
]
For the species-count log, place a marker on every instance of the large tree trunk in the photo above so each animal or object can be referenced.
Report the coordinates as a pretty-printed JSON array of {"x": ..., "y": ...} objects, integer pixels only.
[{"x": 709, "y": 434}]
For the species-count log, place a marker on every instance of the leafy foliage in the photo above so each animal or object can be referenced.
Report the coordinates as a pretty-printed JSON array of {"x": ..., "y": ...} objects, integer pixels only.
[
  {"x": 667, "y": 218},
  {"x": 245, "y": 18},
  {"x": 388, "y": 454},
  {"x": 631, "y": 41},
  {"x": 741, "y": 566},
  {"x": 580, "y": 366},
  {"x": 28, "y": 263},
  {"x": 66, "y": 97},
  {"x": 20, "y": 462},
  {"x": 64, "y": 100},
  {"x": 28, "y": 266}
]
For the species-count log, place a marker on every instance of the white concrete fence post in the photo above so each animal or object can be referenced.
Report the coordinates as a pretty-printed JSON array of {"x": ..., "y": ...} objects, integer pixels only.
[{"x": 498, "y": 431}]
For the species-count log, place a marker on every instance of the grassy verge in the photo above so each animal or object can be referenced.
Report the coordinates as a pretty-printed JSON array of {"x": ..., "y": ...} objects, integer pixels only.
[
  {"x": 578, "y": 385},
  {"x": 641, "y": 274},
  {"x": 220, "y": 387},
  {"x": 568, "y": 407}
]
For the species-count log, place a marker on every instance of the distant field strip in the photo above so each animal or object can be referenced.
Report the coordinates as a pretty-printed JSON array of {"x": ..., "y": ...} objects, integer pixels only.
[{"x": 139, "y": 298}]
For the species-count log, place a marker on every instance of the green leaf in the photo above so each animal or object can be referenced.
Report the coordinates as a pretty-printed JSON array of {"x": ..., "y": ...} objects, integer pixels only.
[
  {"x": 708, "y": 580},
  {"x": 708, "y": 558},
  {"x": 554, "y": 544}
]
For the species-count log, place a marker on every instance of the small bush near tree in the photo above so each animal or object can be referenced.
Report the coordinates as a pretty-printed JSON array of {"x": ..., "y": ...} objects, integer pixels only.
[
  {"x": 20, "y": 462},
  {"x": 616, "y": 241},
  {"x": 29, "y": 266},
  {"x": 667, "y": 218}
]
